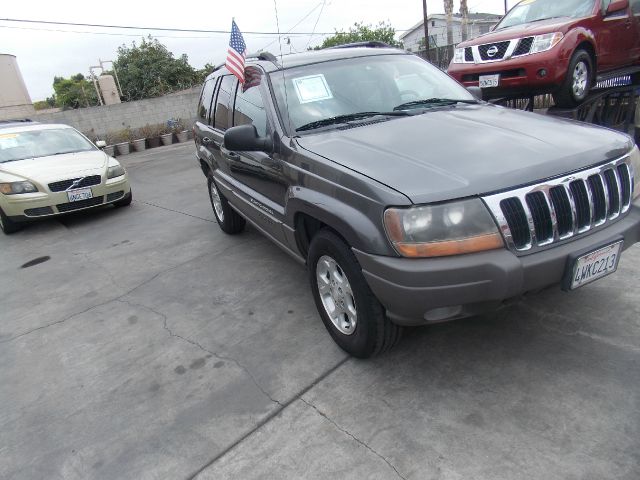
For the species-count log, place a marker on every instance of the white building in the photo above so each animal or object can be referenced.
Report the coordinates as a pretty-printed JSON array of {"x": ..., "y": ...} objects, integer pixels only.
[{"x": 477, "y": 24}]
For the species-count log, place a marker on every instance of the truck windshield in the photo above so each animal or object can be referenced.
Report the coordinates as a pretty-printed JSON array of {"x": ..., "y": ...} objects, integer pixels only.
[
  {"x": 321, "y": 94},
  {"x": 41, "y": 143},
  {"x": 535, "y": 10}
]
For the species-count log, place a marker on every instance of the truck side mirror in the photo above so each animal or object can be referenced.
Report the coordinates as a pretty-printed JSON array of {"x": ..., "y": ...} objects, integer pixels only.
[
  {"x": 617, "y": 5},
  {"x": 101, "y": 143}
]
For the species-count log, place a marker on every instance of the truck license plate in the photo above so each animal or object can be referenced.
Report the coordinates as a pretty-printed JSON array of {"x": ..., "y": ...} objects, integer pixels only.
[
  {"x": 80, "y": 194},
  {"x": 488, "y": 81},
  {"x": 595, "y": 265}
]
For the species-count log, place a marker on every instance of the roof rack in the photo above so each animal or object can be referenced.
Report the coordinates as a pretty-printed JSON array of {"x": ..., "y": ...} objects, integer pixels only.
[
  {"x": 368, "y": 44},
  {"x": 266, "y": 56}
]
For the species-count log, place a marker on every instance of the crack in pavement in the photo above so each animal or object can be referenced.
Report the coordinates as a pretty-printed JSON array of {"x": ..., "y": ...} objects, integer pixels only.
[
  {"x": 118, "y": 297},
  {"x": 330, "y": 420},
  {"x": 269, "y": 417},
  {"x": 174, "y": 211},
  {"x": 204, "y": 349}
]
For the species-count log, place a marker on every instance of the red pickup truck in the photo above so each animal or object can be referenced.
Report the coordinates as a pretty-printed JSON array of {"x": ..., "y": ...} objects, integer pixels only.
[{"x": 551, "y": 46}]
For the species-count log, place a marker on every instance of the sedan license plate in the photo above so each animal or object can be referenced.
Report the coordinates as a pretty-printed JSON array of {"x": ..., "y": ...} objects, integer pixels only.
[
  {"x": 595, "y": 265},
  {"x": 488, "y": 81},
  {"x": 80, "y": 194}
]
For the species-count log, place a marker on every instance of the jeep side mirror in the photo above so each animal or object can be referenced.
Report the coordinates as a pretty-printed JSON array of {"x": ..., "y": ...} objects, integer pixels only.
[
  {"x": 617, "y": 5},
  {"x": 101, "y": 143},
  {"x": 244, "y": 138},
  {"x": 476, "y": 92}
]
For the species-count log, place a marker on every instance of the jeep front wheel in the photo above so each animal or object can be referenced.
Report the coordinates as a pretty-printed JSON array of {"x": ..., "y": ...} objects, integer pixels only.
[{"x": 349, "y": 310}]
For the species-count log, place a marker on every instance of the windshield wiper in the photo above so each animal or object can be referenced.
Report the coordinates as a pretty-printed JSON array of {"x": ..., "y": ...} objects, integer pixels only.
[
  {"x": 433, "y": 101},
  {"x": 346, "y": 118}
]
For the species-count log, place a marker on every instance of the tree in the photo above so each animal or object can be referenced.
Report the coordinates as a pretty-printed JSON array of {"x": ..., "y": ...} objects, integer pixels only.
[
  {"x": 383, "y": 32},
  {"x": 150, "y": 70},
  {"x": 464, "y": 11},
  {"x": 203, "y": 73},
  {"x": 74, "y": 92},
  {"x": 50, "y": 102}
]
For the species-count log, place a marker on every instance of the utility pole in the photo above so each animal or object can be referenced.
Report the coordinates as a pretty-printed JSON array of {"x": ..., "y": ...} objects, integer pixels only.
[
  {"x": 426, "y": 30},
  {"x": 505, "y": 7}
]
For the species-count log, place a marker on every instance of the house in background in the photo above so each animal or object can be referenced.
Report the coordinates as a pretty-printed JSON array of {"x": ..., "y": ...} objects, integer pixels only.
[{"x": 477, "y": 24}]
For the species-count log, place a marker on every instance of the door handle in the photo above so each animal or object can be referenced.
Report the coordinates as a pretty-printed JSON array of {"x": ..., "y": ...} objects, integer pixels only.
[{"x": 208, "y": 142}]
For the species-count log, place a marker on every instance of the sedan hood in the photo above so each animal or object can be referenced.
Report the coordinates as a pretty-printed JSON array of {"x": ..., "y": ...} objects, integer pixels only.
[
  {"x": 466, "y": 150},
  {"x": 58, "y": 167}
]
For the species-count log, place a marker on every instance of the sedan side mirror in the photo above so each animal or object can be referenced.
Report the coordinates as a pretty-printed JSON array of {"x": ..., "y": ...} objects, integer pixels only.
[
  {"x": 617, "y": 5},
  {"x": 244, "y": 138},
  {"x": 476, "y": 92},
  {"x": 101, "y": 143}
]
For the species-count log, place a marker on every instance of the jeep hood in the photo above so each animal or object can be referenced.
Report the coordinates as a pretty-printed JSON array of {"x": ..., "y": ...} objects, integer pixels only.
[{"x": 464, "y": 151}]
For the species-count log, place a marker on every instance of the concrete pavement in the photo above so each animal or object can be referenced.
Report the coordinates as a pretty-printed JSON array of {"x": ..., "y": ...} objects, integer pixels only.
[{"x": 152, "y": 345}]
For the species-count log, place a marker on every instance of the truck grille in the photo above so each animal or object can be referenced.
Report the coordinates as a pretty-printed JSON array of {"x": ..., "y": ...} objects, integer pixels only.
[
  {"x": 533, "y": 217},
  {"x": 62, "y": 185},
  {"x": 524, "y": 46},
  {"x": 468, "y": 54},
  {"x": 500, "y": 49}
]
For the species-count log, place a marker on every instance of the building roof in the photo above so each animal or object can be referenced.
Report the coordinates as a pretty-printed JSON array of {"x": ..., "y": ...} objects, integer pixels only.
[{"x": 456, "y": 18}]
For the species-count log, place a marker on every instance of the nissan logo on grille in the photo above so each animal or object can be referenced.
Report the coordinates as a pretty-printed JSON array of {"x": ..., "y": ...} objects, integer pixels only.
[{"x": 492, "y": 51}]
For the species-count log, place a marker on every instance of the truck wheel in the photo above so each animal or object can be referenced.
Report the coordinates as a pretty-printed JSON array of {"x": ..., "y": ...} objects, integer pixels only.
[
  {"x": 349, "y": 310},
  {"x": 578, "y": 81},
  {"x": 229, "y": 220},
  {"x": 6, "y": 225}
]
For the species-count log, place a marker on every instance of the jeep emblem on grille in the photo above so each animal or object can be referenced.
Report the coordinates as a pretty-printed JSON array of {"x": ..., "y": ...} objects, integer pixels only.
[{"x": 492, "y": 51}]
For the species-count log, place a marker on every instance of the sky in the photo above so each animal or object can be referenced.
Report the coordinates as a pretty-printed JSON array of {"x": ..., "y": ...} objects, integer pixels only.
[{"x": 45, "y": 51}]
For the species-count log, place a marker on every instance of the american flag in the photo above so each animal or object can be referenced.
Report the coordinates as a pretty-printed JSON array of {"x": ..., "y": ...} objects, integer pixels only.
[
  {"x": 252, "y": 77},
  {"x": 236, "y": 53}
]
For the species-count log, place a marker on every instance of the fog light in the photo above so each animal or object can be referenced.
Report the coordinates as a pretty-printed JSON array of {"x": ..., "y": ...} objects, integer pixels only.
[
  {"x": 442, "y": 314},
  {"x": 542, "y": 73}
]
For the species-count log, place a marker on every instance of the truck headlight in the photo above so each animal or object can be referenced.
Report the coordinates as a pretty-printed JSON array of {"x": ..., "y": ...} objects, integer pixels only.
[
  {"x": 542, "y": 43},
  {"x": 635, "y": 171},
  {"x": 444, "y": 229},
  {"x": 115, "y": 171},
  {"x": 458, "y": 55},
  {"x": 14, "y": 188}
]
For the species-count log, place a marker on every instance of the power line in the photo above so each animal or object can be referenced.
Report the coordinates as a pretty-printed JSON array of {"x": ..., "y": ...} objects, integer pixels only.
[
  {"x": 162, "y": 29},
  {"x": 289, "y": 31},
  {"x": 316, "y": 24}
]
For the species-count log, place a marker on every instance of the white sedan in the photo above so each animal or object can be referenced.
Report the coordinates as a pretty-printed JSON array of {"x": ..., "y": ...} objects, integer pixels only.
[{"x": 48, "y": 170}]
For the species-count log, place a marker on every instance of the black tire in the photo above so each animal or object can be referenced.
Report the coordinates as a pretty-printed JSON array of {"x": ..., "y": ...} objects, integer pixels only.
[
  {"x": 229, "y": 220},
  {"x": 374, "y": 333},
  {"x": 566, "y": 96},
  {"x": 124, "y": 201},
  {"x": 7, "y": 226}
]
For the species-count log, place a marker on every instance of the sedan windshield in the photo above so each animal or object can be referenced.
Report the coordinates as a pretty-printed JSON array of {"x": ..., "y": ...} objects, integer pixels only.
[
  {"x": 536, "y": 10},
  {"x": 41, "y": 143},
  {"x": 326, "y": 94}
]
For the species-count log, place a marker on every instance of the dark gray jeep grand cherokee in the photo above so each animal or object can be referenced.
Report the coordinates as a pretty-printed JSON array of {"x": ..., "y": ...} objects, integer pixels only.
[{"x": 410, "y": 201}]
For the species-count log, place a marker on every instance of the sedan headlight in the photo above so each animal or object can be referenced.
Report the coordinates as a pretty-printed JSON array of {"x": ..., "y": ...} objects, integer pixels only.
[
  {"x": 115, "y": 171},
  {"x": 542, "y": 43},
  {"x": 14, "y": 188},
  {"x": 458, "y": 55},
  {"x": 446, "y": 229},
  {"x": 635, "y": 165}
]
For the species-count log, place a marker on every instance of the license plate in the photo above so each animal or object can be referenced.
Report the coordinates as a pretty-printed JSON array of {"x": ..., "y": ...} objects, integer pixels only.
[
  {"x": 595, "y": 265},
  {"x": 80, "y": 194},
  {"x": 488, "y": 81}
]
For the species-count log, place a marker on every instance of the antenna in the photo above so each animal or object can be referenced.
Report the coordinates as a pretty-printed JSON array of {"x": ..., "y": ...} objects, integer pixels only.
[{"x": 284, "y": 82}]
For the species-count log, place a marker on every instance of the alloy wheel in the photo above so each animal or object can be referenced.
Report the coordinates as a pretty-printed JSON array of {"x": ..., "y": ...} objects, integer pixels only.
[{"x": 336, "y": 295}]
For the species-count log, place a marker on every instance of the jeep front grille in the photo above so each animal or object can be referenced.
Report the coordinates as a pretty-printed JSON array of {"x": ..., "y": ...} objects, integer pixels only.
[{"x": 536, "y": 216}]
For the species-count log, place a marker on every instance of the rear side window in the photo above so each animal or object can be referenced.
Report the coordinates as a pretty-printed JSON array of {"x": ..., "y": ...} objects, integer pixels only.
[
  {"x": 204, "y": 107},
  {"x": 221, "y": 121},
  {"x": 249, "y": 109},
  {"x": 635, "y": 7}
]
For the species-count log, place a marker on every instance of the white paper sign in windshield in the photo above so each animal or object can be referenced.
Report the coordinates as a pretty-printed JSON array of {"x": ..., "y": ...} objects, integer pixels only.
[{"x": 312, "y": 88}]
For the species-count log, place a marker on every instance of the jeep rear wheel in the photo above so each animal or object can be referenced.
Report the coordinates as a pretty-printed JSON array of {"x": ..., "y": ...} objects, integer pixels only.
[
  {"x": 229, "y": 220},
  {"x": 577, "y": 82},
  {"x": 349, "y": 310}
]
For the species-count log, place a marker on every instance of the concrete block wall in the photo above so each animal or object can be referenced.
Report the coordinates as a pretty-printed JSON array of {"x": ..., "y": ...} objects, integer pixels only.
[{"x": 111, "y": 118}]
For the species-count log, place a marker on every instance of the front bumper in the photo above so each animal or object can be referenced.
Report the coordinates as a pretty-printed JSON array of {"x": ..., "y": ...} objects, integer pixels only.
[
  {"x": 518, "y": 76},
  {"x": 33, "y": 206},
  {"x": 421, "y": 291}
]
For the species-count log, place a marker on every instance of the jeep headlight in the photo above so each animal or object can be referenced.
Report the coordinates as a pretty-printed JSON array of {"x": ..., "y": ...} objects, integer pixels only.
[
  {"x": 115, "y": 171},
  {"x": 14, "y": 188},
  {"x": 635, "y": 171},
  {"x": 458, "y": 55},
  {"x": 542, "y": 43},
  {"x": 444, "y": 229}
]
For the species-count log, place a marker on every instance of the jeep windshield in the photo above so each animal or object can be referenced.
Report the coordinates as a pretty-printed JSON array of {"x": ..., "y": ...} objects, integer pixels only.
[
  {"x": 41, "y": 143},
  {"x": 528, "y": 11},
  {"x": 352, "y": 90}
]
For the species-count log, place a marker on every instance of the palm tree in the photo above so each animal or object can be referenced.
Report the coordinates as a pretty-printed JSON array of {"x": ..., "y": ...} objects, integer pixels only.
[
  {"x": 448, "y": 10},
  {"x": 464, "y": 11}
]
